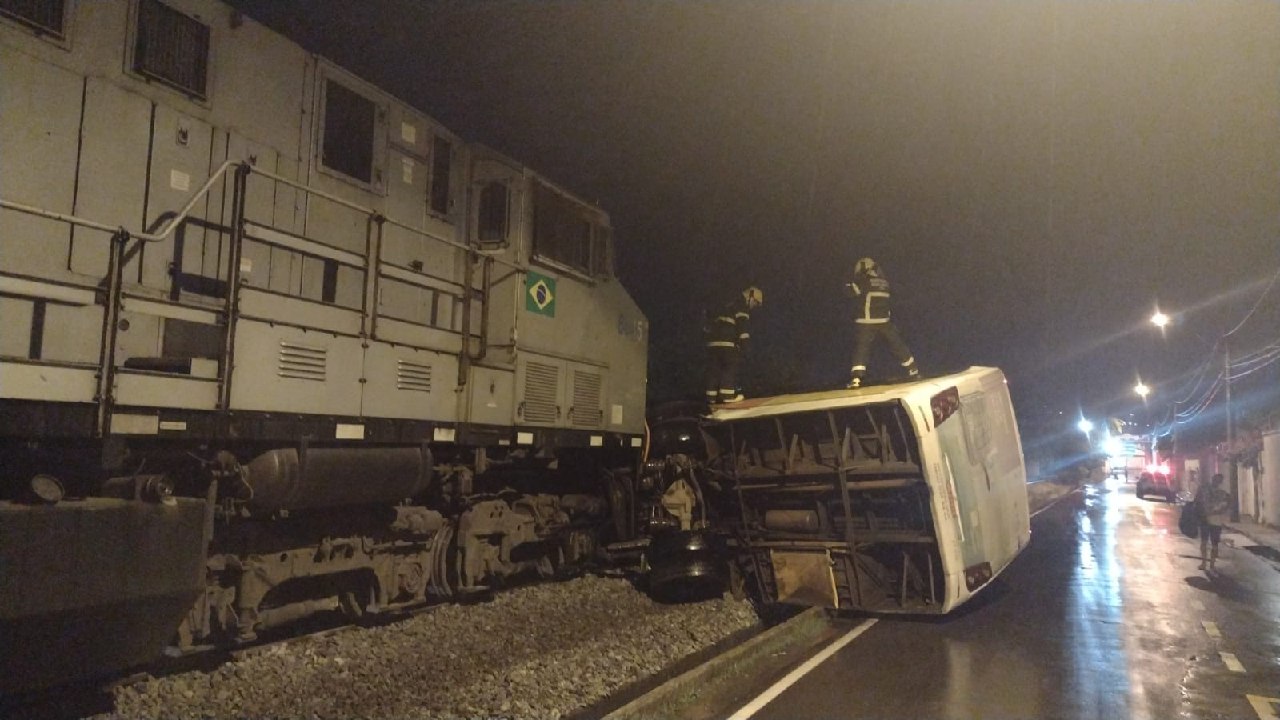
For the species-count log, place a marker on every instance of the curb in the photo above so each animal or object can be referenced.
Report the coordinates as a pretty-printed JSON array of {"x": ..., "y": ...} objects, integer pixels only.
[
  {"x": 801, "y": 629},
  {"x": 1264, "y": 538}
]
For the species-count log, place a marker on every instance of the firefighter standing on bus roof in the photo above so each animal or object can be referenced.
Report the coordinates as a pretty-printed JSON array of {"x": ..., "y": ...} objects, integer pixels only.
[
  {"x": 728, "y": 332},
  {"x": 871, "y": 288}
]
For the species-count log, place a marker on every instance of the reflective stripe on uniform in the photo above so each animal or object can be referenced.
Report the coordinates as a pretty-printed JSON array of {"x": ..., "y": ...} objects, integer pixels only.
[
  {"x": 872, "y": 321},
  {"x": 866, "y": 306},
  {"x": 909, "y": 361},
  {"x": 741, "y": 314},
  {"x": 721, "y": 343},
  {"x": 856, "y": 368},
  {"x": 744, "y": 336}
]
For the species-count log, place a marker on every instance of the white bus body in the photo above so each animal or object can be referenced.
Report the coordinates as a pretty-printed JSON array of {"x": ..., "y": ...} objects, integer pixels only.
[{"x": 906, "y": 498}]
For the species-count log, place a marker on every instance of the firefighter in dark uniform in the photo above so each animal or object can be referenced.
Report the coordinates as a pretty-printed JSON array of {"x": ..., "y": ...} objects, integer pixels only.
[
  {"x": 728, "y": 332},
  {"x": 871, "y": 289}
]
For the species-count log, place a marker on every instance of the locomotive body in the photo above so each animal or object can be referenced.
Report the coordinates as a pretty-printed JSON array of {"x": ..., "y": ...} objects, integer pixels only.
[{"x": 385, "y": 363}]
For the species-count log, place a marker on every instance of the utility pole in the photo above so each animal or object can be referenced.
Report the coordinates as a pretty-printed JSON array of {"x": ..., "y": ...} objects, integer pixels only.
[
  {"x": 1233, "y": 472},
  {"x": 1179, "y": 467}
]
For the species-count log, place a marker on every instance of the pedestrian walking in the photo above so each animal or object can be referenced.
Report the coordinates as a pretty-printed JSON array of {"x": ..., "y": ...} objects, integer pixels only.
[
  {"x": 871, "y": 288},
  {"x": 727, "y": 335},
  {"x": 1214, "y": 504}
]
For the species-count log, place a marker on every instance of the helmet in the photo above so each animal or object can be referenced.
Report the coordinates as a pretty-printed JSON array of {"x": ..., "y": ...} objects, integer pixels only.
[
  {"x": 753, "y": 296},
  {"x": 866, "y": 265}
]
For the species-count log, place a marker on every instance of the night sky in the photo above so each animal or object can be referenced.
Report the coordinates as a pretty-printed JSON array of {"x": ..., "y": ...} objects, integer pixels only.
[{"x": 1035, "y": 177}]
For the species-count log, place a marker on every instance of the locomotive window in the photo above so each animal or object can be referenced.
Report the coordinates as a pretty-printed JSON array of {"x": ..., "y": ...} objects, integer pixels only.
[
  {"x": 46, "y": 17},
  {"x": 348, "y": 132},
  {"x": 563, "y": 231},
  {"x": 494, "y": 214},
  {"x": 172, "y": 48},
  {"x": 441, "y": 169}
]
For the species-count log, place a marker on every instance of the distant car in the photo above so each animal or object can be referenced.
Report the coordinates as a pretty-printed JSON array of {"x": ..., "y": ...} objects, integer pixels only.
[{"x": 1156, "y": 483}]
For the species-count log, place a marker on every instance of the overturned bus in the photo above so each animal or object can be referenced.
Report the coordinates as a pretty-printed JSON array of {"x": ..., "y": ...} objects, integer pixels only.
[{"x": 906, "y": 498}]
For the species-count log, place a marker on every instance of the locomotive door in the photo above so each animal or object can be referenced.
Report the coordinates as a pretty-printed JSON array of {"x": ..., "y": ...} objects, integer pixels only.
[{"x": 496, "y": 229}]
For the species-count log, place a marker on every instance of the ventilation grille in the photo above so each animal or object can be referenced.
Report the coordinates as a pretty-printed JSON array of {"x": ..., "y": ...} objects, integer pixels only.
[
  {"x": 541, "y": 389},
  {"x": 171, "y": 48},
  {"x": 413, "y": 376},
  {"x": 302, "y": 362},
  {"x": 43, "y": 16},
  {"x": 585, "y": 411}
]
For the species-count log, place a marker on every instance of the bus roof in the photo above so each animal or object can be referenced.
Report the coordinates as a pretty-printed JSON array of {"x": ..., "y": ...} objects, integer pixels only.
[{"x": 914, "y": 391}]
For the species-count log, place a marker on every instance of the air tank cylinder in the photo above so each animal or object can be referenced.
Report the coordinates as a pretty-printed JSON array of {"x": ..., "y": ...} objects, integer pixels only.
[{"x": 287, "y": 479}]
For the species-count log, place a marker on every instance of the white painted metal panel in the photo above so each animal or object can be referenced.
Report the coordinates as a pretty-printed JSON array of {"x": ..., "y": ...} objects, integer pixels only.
[
  {"x": 72, "y": 333},
  {"x": 170, "y": 392},
  {"x": 492, "y": 396},
  {"x": 180, "y": 146},
  {"x": 138, "y": 336},
  {"x": 37, "y": 165},
  {"x": 301, "y": 244},
  {"x": 168, "y": 310},
  {"x": 113, "y": 171},
  {"x": 418, "y": 335},
  {"x": 47, "y": 291},
  {"x": 27, "y": 381},
  {"x": 410, "y": 131},
  {"x": 401, "y": 382},
  {"x": 406, "y": 190},
  {"x": 15, "y": 326},
  {"x": 269, "y": 306},
  {"x": 287, "y": 369}
]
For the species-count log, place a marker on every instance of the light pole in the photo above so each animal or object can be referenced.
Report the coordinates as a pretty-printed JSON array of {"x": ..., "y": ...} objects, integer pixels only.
[
  {"x": 1233, "y": 470},
  {"x": 1161, "y": 321}
]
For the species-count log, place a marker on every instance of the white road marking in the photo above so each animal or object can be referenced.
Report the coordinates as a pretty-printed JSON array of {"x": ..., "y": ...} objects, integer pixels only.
[
  {"x": 776, "y": 689},
  {"x": 1262, "y": 706},
  {"x": 1197, "y": 605},
  {"x": 1211, "y": 628},
  {"x": 1231, "y": 661}
]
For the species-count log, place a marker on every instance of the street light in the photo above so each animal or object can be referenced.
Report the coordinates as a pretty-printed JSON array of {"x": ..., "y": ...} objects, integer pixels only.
[
  {"x": 1161, "y": 320},
  {"x": 1142, "y": 390},
  {"x": 1085, "y": 426}
]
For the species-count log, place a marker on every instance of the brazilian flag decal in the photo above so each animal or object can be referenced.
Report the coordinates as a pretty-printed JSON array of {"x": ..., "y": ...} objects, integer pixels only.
[{"x": 540, "y": 294}]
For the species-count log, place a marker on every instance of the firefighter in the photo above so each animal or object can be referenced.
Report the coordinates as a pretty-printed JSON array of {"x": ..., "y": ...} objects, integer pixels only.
[
  {"x": 871, "y": 288},
  {"x": 728, "y": 333}
]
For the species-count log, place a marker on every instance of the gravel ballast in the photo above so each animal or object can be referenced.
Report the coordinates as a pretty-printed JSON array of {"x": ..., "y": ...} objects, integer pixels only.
[{"x": 543, "y": 651}]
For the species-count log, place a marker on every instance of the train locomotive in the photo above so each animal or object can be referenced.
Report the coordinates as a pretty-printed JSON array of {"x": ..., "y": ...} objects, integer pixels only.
[{"x": 273, "y": 341}]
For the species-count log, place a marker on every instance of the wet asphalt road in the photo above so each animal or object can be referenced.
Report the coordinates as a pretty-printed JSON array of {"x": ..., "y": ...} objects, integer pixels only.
[{"x": 1104, "y": 615}]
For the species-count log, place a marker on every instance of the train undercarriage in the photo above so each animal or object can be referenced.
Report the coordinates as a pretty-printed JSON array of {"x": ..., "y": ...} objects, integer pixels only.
[{"x": 191, "y": 553}]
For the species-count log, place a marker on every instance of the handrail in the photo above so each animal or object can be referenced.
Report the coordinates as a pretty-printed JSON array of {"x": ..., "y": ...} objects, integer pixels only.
[
  {"x": 71, "y": 219},
  {"x": 169, "y": 227},
  {"x": 374, "y": 213},
  {"x": 120, "y": 235},
  {"x": 185, "y": 212}
]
